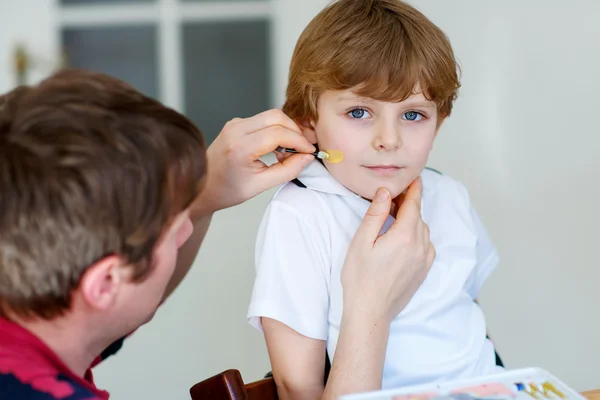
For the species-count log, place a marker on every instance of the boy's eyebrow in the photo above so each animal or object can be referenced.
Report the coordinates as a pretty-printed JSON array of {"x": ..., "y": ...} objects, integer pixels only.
[
  {"x": 406, "y": 103},
  {"x": 422, "y": 104}
]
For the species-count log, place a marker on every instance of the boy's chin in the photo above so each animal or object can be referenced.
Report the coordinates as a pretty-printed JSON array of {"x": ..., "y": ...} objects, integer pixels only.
[{"x": 394, "y": 192}]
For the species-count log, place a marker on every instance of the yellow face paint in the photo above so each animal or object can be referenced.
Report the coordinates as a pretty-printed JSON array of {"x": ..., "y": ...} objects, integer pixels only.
[{"x": 334, "y": 156}]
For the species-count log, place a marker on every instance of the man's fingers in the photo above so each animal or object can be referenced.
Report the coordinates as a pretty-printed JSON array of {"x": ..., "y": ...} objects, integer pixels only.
[
  {"x": 281, "y": 156},
  {"x": 411, "y": 204},
  {"x": 373, "y": 221},
  {"x": 268, "y": 139},
  {"x": 274, "y": 117},
  {"x": 431, "y": 255},
  {"x": 425, "y": 231},
  {"x": 415, "y": 192},
  {"x": 282, "y": 172}
]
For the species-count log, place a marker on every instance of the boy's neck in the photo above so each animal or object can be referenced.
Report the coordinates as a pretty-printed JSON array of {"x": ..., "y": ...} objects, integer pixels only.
[{"x": 73, "y": 343}]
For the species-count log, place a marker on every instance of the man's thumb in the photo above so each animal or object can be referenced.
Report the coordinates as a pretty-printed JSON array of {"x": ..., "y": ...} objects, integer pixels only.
[
  {"x": 284, "y": 171},
  {"x": 376, "y": 215}
]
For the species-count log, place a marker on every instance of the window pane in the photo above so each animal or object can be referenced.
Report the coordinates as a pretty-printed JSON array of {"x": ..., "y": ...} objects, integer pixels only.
[
  {"x": 125, "y": 52},
  {"x": 226, "y": 72}
]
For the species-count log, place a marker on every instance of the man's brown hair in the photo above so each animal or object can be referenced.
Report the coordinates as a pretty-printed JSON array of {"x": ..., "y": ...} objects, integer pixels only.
[
  {"x": 382, "y": 48},
  {"x": 89, "y": 167}
]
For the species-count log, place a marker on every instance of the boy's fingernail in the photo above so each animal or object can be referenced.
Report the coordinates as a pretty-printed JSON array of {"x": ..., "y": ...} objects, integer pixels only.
[{"x": 382, "y": 195}]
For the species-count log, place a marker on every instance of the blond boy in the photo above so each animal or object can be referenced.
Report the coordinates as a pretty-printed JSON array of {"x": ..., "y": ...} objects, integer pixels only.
[{"x": 374, "y": 79}]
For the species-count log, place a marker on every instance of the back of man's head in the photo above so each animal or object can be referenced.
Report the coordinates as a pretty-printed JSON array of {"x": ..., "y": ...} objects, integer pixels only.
[{"x": 89, "y": 168}]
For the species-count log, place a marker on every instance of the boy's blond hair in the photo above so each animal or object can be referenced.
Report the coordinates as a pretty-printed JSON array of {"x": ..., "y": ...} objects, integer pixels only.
[{"x": 382, "y": 48}]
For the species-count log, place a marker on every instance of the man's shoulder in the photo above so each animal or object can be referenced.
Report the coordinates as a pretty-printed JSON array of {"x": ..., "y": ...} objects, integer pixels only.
[
  {"x": 41, "y": 384},
  {"x": 30, "y": 370}
]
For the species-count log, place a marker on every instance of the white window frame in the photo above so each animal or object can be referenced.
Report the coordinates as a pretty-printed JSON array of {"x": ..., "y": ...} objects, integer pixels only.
[{"x": 169, "y": 17}]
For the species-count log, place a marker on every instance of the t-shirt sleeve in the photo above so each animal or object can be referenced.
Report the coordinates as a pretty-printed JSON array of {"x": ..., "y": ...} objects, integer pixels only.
[
  {"x": 292, "y": 273},
  {"x": 486, "y": 253}
]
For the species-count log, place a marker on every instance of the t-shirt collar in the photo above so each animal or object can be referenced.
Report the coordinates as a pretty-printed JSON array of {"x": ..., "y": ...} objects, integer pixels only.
[{"x": 316, "y": 177}]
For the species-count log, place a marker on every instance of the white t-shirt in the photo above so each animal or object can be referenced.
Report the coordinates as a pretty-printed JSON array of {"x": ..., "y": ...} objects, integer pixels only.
[{"x": 300, "y": 251}]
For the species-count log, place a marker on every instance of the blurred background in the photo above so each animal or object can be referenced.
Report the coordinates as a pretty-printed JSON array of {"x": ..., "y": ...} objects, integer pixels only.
[{"x": 524, "y": 138}]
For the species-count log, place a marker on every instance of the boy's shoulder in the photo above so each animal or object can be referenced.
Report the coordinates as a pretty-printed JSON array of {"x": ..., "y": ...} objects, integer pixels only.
[
  {"x": 436, "y": 183},
  {"x": 295, "y": 198},
  {"x": 444, "y": 195},
  {"x": 294, "y": 193}
]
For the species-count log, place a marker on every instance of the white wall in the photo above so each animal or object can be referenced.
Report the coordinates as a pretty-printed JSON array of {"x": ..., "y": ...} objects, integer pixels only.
[
  {"x": 292, "y": 16},
  {"x": 32, "y": 23},
  {"x": 522, "y": 138}
]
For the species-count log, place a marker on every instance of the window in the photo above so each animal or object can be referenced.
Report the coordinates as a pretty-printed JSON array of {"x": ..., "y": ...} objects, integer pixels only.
[{"x": 209, "y": 59}]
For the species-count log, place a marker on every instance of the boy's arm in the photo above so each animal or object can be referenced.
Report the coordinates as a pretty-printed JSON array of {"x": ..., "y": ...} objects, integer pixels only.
[
  {"x": 359, "y": 355},
  {"x": 298, "y": 361}
]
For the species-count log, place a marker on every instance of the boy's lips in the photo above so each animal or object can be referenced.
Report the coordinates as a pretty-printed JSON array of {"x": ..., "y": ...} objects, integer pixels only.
[{"x": 384, "y": 169}]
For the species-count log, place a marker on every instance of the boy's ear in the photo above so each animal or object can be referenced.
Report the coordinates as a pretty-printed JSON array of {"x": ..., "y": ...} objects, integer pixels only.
[
  {"x": 101, "y": 282},
  {"x": 308, "y": 131}
]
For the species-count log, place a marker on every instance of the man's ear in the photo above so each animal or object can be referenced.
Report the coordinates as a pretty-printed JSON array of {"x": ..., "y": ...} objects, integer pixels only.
[
  {"x": 308, "y": 131},
  {"x": 101, "y": 282}
]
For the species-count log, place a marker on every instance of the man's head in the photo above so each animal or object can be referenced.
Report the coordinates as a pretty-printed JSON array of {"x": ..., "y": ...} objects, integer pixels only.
[
  {"x": 95, "y": 183},
  {"x": 375, "y": 79}
]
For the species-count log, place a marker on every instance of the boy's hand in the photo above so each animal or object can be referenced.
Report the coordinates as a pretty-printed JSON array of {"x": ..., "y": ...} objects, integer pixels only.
[
  {"x": 382, "y": 273},
  {"x": 235, "y": 172}
]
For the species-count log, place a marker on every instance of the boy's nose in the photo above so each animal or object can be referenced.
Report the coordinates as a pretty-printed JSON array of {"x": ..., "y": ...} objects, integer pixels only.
[{"x": 387, "y": 139}]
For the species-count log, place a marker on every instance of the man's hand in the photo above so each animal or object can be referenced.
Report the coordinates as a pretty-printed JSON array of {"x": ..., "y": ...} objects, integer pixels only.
[
  {"x": 382, "y": 273},
  {"x": 235, "y": 172},
  {"x": 380, "y": 276}
]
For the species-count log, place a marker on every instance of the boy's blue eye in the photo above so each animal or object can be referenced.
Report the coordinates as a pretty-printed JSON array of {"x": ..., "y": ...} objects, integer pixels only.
[
  {"x": 413, "y": 116},
  {"x": 359, "y": 113}
]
